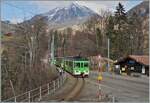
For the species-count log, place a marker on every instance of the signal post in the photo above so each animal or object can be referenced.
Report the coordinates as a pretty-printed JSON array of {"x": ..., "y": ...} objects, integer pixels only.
[{"x": 99, "y": 78}]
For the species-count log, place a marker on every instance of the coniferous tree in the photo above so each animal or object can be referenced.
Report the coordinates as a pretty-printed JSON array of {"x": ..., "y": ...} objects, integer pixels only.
[
  {"x": 122, "y": 37},
  {"x": 112, "y": 35},
  {"x": 120, "y": 16},
  {"x": 117, "y": 33},
  {"x": 98, "y": 38}
]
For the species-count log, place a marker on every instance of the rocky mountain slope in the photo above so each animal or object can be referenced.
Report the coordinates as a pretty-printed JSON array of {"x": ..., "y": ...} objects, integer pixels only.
[
  {"x": 66, "y": 16},
  {"x": 141, "y": 9}
]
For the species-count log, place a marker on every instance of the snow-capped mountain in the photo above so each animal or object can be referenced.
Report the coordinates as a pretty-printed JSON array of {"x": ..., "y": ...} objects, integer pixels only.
[{"x": 73, "y": 14}]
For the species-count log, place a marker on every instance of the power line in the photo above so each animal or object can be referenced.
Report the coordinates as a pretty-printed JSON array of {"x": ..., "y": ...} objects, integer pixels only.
[
  {"x": 19, "y": 8},
  {"x": 23, "y": 9}
]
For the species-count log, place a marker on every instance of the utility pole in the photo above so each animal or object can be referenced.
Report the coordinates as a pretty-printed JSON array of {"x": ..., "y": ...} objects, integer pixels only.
[
  {"x": 99, "y": 78},
  {"x": 49, "y": 49},
  {"x": 31, "y": 52},
  {"x": 108, "y": 55},
  {"x": 31, "y": 44},
  {"x": 31, "y": 48},
  {"x": 52, "y": 50},
  {"x": 25, "y": 62},
  {"x": 131, "y": 39},
  {"x": 49, "y": 39}
]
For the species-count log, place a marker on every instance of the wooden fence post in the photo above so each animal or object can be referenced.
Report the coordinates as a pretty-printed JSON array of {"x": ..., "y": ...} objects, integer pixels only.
[
  {"x": 48, "y": 87},
  {"x": 29, "y": 96},
  {"x": 58, "y": 82},
  {"x": 54, "y": 85},
  {"x": 61, "y": 80},
  {"x": 40, "y": 93},
  {"x": 15, "y": 99},
  {"x": 113, "y": 99},
  {"x": 63, "y": 76}
]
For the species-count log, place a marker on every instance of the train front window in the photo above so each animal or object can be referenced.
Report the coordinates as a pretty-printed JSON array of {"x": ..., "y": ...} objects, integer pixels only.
[
  {"x": 77, "y": 65},
  {"x": 86, "y": 64}
]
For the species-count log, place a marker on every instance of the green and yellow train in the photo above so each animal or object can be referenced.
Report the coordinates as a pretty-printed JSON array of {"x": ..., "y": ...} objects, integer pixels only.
[{"x": 77, "y": 66}]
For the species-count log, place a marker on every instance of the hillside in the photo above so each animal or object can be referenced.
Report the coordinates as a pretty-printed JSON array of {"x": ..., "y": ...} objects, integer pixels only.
[
  {"x": 85, "y": 42},
  {"x": 6, "y": 27},
  {"x": 142, "y": 10}
]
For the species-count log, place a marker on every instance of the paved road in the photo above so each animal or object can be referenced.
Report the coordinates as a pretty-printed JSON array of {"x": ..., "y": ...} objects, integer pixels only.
[{"x": 124, "y": 88}]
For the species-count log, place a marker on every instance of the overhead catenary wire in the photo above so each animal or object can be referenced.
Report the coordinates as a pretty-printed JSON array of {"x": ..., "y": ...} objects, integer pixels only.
[
  {"x": 30, "y": 12},
  {"x": 23, "y": 10},
  {"x": 19, "y": 8}
]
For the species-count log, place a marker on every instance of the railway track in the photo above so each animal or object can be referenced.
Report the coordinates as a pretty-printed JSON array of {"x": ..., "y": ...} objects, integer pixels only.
[
  {"x": 72, "y": 93},
  {"x": 69, "y": 91},
  {"x": 75, "y": 91}
]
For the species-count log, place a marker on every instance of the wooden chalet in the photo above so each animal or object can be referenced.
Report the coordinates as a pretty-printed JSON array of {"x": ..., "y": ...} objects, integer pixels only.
[{"x": 133, "y": 64}]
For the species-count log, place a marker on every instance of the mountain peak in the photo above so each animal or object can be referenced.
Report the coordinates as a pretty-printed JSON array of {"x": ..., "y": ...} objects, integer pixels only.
[
  {"x": 74, "y": 4},
  {"x": 74, "y": 13}
]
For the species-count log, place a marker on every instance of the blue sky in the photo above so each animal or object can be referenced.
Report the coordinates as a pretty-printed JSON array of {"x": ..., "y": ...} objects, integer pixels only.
[{"x": 17, "y": 11}]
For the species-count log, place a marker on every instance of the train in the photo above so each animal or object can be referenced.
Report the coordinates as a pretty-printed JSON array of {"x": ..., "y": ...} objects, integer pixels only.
[{"x": 76, "y": 66}]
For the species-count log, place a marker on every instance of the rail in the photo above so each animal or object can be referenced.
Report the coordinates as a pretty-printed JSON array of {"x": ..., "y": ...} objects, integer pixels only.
[{"x": 37, "y": 93}]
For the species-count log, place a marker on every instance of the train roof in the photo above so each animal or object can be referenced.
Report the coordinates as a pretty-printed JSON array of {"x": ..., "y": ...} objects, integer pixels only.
[{"x": 76, "y": 58}]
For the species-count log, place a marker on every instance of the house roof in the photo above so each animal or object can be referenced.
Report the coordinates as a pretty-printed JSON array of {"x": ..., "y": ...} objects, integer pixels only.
[{"x": 144, "y": 59}]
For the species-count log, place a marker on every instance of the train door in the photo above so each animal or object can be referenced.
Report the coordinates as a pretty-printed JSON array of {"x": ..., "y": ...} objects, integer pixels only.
[
  {"x": 82, "y": 67},
  {"x": 86, "y": 68},
  {"x": 77, "y": 68}
]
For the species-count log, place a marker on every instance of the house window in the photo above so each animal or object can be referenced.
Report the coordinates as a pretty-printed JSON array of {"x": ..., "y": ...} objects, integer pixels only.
[
  {"x": 132, "y": 68},
  {"x": 117, "y": 66},
  {"x": 131, "y": 62},
  {"x": 143, "y": 69},
  {"x": 123, "y": 69}
]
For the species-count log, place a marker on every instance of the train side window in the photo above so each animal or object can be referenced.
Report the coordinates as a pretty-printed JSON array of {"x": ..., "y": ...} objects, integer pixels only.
[
  {"x": 77, "y": 64},
  {"x": 86, "y": 64},
  {"x": 70, "y": 63},
  {"x": 73, "y": 63},
  {"x": 66, "y": 62}
]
